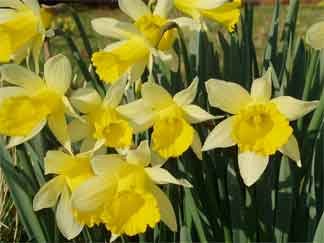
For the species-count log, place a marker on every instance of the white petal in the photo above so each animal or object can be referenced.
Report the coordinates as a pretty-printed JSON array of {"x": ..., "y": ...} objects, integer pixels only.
[
  {"x": 251, "y": 166},
  {"x": 162, "y": 176},
  {"x": 49, "y": 193},
  {"x": 293, "y": 108},
  {"x": 139, "y": 114},
  {"x": 106, "y": 163},
  {"x": 114, "y": 28},
  {"x": 188, "y": 95},
  {"x": 14, "y": 141},
  {"x": 15, "y": 74},
  {"x": 163, "y": 8},
  {"x": 261, "y": 89},
  {"x": 315, "y": 35},
  {"x": 291, "y": 149},
  {"x": 65, "y": 220},
  {"x": 141, "y": 155},
  {"x": 115, "y": 93},
  {"x": 155, "y": 95},
  {"x": 78, "y": 130},
  {"x": 220, "y": 136},
  {"x": 58, "y": 73},
  {"x": 113, "y": 237},
  {"x": 196, "y": 145},
  {"x": 85, "y": 99},
  {"x": 166, "y": 209},
  {"x": 227, "y": 96},
  {"x": 195, "y": 114},
  {"x": 134, "y": 8},
  {"x": 57, "y": 124}
]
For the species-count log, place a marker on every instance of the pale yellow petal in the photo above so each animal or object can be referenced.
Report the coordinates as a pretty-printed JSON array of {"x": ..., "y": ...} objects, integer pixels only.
[
  {"x": 65, "y": 220},
  {"x": 141, "y": 155},
  {"x": 163, "y": 8},
  {"x": 58, "y": 126},
  {"x": 139, "y": 114},
  {"x": 134, "y": 8},
  {"x": 68, "y": 108},
  {"x": 156, "y": 96},
  {"x": 115, "y": 93},
  {"x": 220, "y": 136},
  {"x": 251, "y": 166},
  {"x": 58, "y": 73},
  {"x": 49, "y": 193},
  {"x": 162, "y": 176},
  {"x": 138, "y": 69},
  {"x": 292, "y": 108},
  {"x": 91, "y": 146},
  {"x": 114, "y": 28},
  {"x": 15, "y": 4},
  {"x": 227, "y": 96},
  {"x": 33, "y": 5},
  {"x": 7, "y": 92},
  {"x": 188, "y": 95},
  {"x": 209, "y": 4},
  {"x": 261, "y": 89},
  {"x": 157, "y": 160},
  {"x": 93, "y": 194},
  {"x": 78, "y": 130},
  {"x": 166, "y": 209},
  {"x": 196, "y": 145},
  {"x": 291, "y": 149},
  {"x": 14, "y": 141},
  {"x": 56, "y": 162},
  {"x": 194, "y": 114},
  {"x": 18, "y": 75},
  {"x": 85, "y": 99},
  {"x": 106, "y": 163},
  {"x": 315, "y": 35}
]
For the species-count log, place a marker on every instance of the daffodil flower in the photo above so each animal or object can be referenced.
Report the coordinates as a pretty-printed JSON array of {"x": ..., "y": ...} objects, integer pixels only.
[
  {"x": 70, "y": 171},
  {"x": 102, "y": 122},
  {"x": 22, "y": 30},
  {"x": 315, "y": 35},
  {"x": 224, "y": 12},
  {"x": 138, "y": 40},
  {"x": 170, "y": 117},
  {"x": 259, "y": 125},
  {"x": 26, "y": 107},
  {"x": 124, "y": 193}
]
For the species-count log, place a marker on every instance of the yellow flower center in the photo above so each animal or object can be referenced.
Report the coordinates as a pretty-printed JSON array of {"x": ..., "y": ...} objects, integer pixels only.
[
  {"x": 111, "y": 127},
  {"x": 151, "y": 28},
  {"x": 20, "y": 114},
  {"x": 133, "y": 207},
  {"x": 172, "y": 135},
  {"x": 17, "y": 32},
  {"x": 261, "y": 128}
]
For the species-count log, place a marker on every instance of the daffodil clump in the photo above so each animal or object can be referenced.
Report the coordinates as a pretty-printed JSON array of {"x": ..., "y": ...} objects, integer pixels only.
[
  {"x": 117, "y": 131},
  {"x": 23, "y": 27}
]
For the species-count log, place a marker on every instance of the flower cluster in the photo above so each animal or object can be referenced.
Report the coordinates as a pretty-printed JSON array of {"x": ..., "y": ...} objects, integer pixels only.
[{"x": 120, "y": 188}]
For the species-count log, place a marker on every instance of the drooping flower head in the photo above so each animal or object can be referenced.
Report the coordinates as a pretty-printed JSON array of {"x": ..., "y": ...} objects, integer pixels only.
[
  {"x": 124, "y": 194},
  {"x": 315, "y": 35},
  {"x": 224, "y": 12},
  {"x": 170, "y": 118},
  {"x": 259, "y": 125},
  {"x": 22, "y": 29},
  {"x": 102, "y": 122},
  {"x": 26, "y": 107},
  {"x": 137, "y": 40},
  {"x": 70, "y": 171}
]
